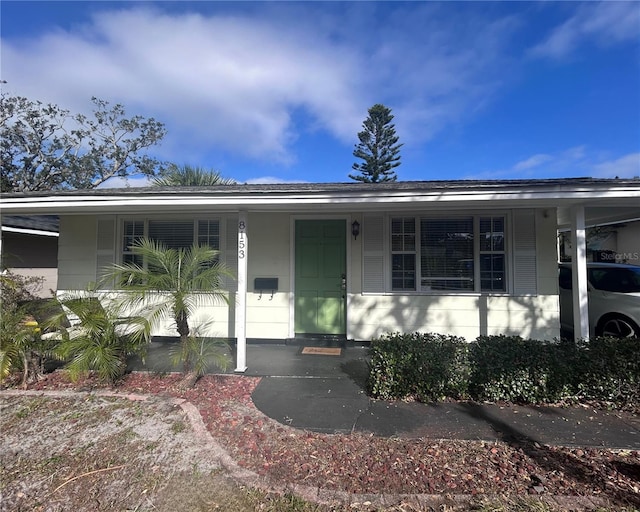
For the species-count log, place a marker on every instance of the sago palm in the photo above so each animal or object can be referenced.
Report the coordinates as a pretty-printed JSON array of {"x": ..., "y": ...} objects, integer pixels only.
[{"x": 174, "y": 282}]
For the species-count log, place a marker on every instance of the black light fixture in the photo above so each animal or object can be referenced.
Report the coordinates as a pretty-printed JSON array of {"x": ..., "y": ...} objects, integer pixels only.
[{"x": 355, "y": 229}]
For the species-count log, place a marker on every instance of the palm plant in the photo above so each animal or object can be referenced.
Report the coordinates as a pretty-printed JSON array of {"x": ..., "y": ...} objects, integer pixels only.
[
  {"x": 174, "y": 282},
  {"x": 21, "y": 347},
  {"x": 100, "y": 339},
  {"x": 200, "y": 351},
  {"x": 188, "y": 176},
  {"x": 18, "y": 340}
]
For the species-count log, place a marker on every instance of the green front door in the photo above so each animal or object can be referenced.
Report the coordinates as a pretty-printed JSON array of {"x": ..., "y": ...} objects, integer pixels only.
[{"x": 320, "y": 274}]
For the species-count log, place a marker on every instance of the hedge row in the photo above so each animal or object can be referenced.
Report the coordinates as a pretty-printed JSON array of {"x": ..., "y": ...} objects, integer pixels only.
[{"x": 433, "y": 367}]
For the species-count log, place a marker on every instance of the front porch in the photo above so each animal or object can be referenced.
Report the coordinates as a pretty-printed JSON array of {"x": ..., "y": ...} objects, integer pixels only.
[{"x": 275, "y": 358}]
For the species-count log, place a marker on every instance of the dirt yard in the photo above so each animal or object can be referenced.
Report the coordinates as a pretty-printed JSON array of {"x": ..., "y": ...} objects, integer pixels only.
[
  {"x": 147, "y": 446},
  {"x": 103, "y": 453}
]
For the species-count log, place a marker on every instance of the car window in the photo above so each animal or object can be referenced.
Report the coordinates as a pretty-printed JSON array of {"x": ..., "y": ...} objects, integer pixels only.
[{"x": 620, "y": 280}]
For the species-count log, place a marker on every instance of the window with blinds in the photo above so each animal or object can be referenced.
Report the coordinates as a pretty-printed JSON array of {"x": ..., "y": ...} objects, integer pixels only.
[
  {"x": 465, "y": 254},
  {"x": 446, "y": 254},
  {"x": 173, "y": 234}
]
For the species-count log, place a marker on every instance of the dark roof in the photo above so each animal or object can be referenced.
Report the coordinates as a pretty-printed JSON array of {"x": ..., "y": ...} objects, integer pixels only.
[
  {"x": 350, "y": 187},
  {"x": 36, "y": 222}
]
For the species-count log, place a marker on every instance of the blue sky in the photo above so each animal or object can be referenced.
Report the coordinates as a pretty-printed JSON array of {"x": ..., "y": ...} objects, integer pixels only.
[{"x": 277, "y": 91}]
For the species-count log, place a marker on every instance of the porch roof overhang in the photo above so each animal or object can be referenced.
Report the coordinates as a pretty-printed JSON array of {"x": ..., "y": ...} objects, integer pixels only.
[{"x": 599, "y": 195}]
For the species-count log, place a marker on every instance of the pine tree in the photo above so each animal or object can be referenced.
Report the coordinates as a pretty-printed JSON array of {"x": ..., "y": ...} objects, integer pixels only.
[{"x": 378, "y": 147}]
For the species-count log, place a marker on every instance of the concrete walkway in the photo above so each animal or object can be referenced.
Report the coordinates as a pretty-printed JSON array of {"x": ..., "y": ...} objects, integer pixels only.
[{"x": 324, "y": 393}]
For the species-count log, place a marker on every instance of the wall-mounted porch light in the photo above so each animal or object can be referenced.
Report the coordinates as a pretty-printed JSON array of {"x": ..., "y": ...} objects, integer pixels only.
[{"x": 355, "y": 229}]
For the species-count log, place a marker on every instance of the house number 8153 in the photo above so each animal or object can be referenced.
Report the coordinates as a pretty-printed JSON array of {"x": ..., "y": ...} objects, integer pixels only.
[{"x": 241, "y": 241}]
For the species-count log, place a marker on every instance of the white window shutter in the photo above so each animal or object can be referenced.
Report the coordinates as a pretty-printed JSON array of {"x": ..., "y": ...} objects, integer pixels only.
[
  {"x": 105, "y": 244},
  {"x": 525, "y": 275},
  {"x": 373, "y": 270}
]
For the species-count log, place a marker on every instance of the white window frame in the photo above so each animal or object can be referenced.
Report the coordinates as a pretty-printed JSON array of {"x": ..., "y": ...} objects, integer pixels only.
[
  {"x": 405, "y": 251},
  {"x": 476, "y": 216}
]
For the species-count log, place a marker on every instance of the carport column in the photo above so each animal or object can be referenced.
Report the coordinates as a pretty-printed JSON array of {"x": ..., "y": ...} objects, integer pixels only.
[
  {"x": 579, "y": 273},
  {"x": 241, "y": 307}
]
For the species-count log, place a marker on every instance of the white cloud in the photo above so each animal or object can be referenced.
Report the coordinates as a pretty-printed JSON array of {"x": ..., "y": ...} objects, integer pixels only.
[
  {"x": 223, "y": 81},
  {"x": 531, "y": 162},
  {"x": 238, "y": 83},
  {"x": 627, "y": 166},
  {"x": 263, "y": 180},
  {"x": 572, "y": 162},
  {"x": 604, "y": 23},
  {"x": 569, "y": 162}
]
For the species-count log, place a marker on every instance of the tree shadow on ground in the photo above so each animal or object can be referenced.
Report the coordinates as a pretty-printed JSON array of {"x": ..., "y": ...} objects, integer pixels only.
[
  {"x": 556, "y": 461},
  {"x": 357, "y": 370}
]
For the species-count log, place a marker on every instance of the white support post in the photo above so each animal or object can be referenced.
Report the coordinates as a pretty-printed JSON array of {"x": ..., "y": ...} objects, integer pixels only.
[
  {"x": 579, "y": 273},
  {"x": 241, "y": 308}
]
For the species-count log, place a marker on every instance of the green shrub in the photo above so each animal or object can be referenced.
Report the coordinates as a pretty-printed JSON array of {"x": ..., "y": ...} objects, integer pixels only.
[
  {"x": 514, "y": 369},
  {"x": 432, "y": 367},
  {"x": 21, "y": 347},
  {"x": 426, "y": 367},
  {"x": 608, "y": 369}
]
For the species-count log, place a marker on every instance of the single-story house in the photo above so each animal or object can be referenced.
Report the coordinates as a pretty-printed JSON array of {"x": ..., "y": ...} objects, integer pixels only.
[
  {"x": 30, "y": 249},
  {"x": 355, "y": 260}
]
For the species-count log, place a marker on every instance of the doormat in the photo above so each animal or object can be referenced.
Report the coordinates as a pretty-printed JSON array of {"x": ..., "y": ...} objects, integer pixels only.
[{"x": 322, "y": 351}]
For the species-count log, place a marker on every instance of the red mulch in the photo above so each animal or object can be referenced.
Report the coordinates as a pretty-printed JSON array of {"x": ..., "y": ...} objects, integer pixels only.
[{"x": 360, "y": 463}]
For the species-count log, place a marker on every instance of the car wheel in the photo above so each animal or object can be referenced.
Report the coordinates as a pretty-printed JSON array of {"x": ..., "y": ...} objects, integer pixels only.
[{"x": 618, "y": 327}]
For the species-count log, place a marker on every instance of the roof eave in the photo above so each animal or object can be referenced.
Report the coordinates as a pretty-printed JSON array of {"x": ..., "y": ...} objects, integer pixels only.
[{"x": 535, "y": 193}]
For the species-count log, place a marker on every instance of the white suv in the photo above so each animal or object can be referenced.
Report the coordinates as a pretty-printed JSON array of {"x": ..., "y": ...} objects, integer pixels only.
[{"x": 614, "y": 299}]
